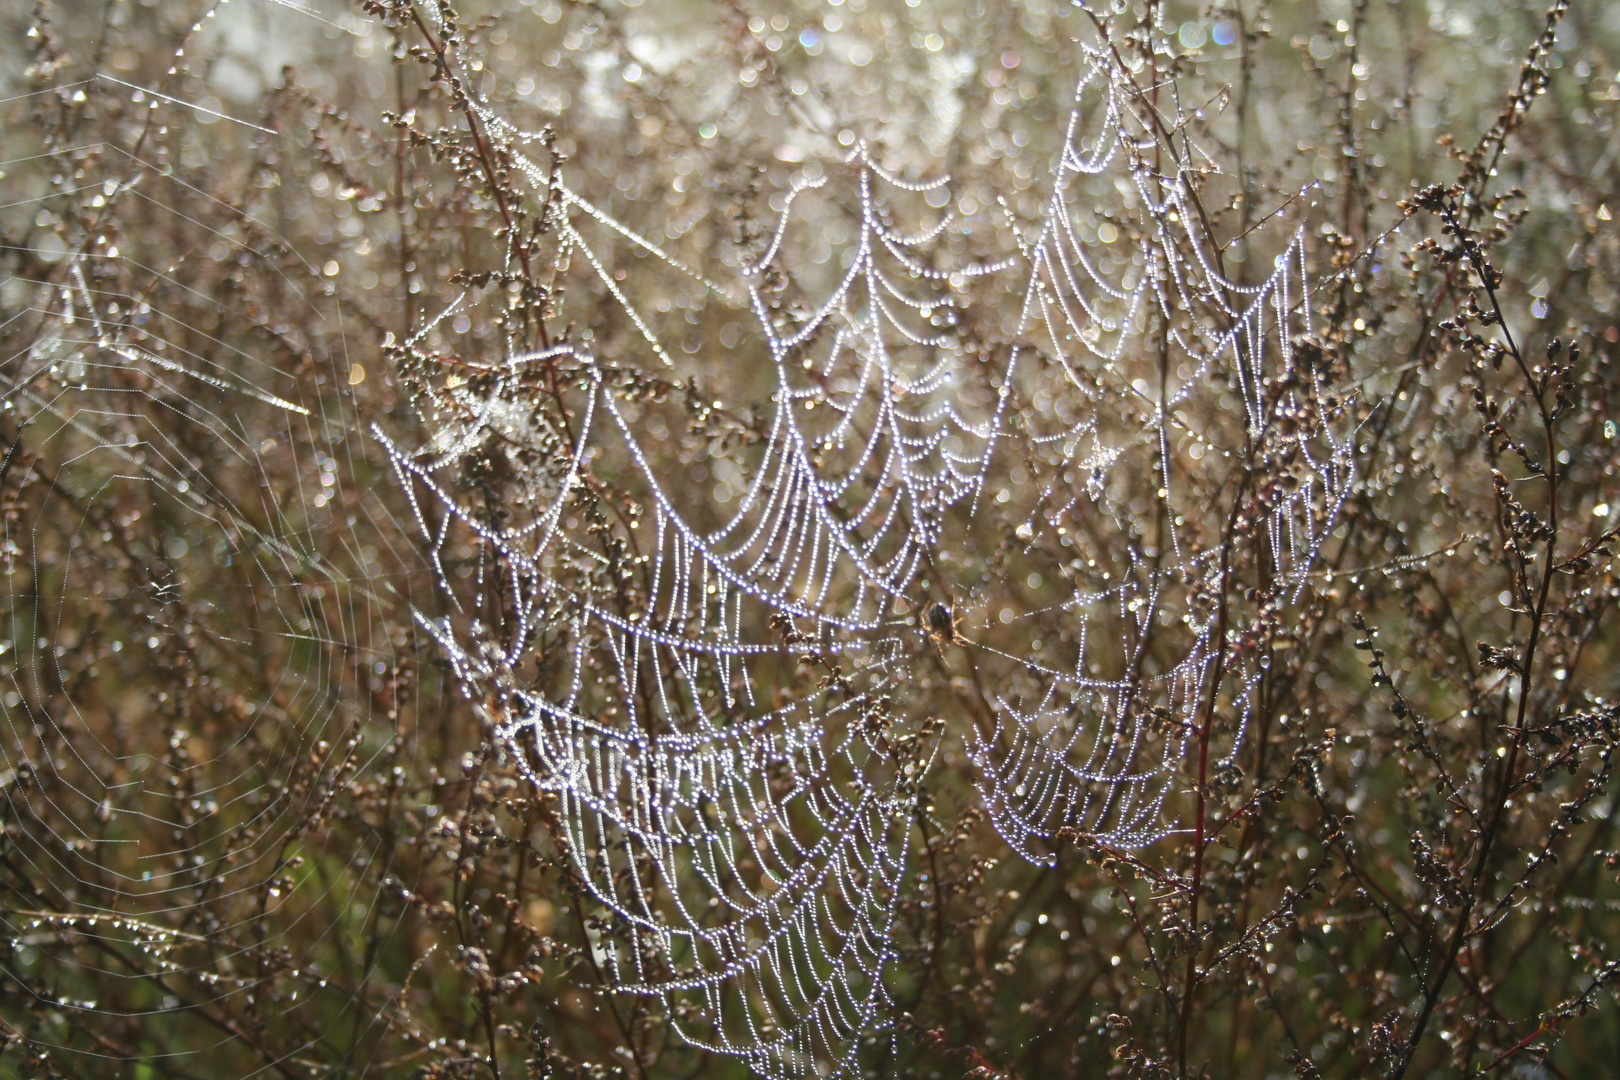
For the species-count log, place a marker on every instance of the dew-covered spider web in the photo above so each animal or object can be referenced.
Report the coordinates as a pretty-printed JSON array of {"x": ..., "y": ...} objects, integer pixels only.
[
  {"x": 1016, "y": 493},
  {"x": 1019, "y": 532}
]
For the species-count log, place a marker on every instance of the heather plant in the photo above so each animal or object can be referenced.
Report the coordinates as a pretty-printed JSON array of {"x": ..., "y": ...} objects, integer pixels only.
[{"x": 659, "y": 539}]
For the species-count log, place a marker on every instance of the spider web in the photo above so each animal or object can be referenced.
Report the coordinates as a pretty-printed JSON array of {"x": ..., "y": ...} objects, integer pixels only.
[
  {"x": 200, "y": 652},
  {"x": 1091, "y": 756},
  {"x": 183, "y": 666},
  {"x": 720, "y": 697},
  {"x": 672, "y": 767},
  {"x": 735, "y": 703}
]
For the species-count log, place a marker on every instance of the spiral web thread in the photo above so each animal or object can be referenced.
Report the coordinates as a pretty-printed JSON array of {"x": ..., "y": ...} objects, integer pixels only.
[
  {"x": 194, "y": 641},
  {"x": 123, "y": 409},
  {"x": 746, "y": 834}
]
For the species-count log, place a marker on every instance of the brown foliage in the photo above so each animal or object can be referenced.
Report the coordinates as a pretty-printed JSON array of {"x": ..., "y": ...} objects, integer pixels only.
[{"x": 292, "y": 354}]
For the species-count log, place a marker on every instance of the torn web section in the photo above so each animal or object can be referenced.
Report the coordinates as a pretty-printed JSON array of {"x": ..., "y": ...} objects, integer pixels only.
[{"x": 1145, "y": 381}]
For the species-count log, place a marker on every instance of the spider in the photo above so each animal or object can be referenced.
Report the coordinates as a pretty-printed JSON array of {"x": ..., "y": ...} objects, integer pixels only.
[{"x": 941, "y": 622}]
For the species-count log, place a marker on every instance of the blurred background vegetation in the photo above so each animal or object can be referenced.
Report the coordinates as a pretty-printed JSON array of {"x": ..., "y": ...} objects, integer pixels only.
[{"x": 252, "y": 825}]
